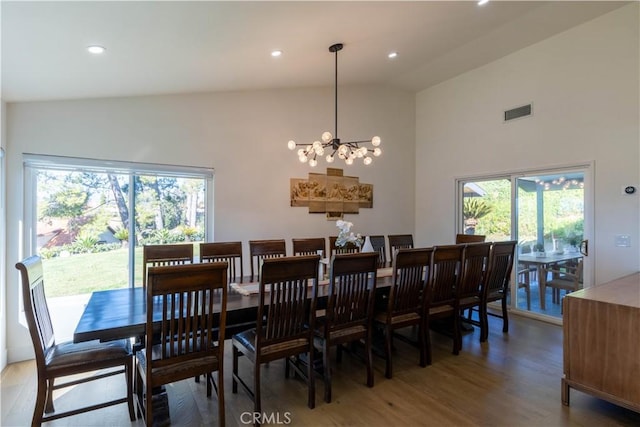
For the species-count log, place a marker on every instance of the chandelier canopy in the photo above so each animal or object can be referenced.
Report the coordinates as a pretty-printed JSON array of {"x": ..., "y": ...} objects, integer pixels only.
[{"x": 347, "y": 151}]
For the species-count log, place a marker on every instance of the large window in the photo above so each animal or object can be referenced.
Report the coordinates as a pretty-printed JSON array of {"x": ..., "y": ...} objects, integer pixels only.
[{"x": 89, "y": 219}]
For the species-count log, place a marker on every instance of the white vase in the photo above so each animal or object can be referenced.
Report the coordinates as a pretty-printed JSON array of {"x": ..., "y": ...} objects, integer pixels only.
[{"x": 367, "y": 246}]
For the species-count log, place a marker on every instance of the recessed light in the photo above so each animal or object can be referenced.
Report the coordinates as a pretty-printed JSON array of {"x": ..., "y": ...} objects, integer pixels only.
[
  {"x": 95, "y": 49},
  {"x": 276, "y": 53},
  {"x": 392, "y": 55},
  {"x": 482, "y": 2}
]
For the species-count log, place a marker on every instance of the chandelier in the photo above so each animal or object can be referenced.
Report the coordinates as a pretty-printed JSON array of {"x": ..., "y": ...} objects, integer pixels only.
[{"x": 347, "y": 151}]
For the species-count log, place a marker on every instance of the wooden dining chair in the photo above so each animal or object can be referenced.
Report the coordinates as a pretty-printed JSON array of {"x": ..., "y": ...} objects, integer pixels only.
[
  {"x": 524, "y": 282},
  {"x": 183, "y": 298},
  {"x": 406, "y": 304},
  {"x": 162, "y": 255},
  {"x": 496, "y": 285},
  {"x": 440, "y": 301},
  {"x": 470, "y": 238},
  {"x": 309, "y": 246},
  {"x": 349, "y": 312},
  {"x": 348, "y": 248},
  {"x": 229, "y": 252},
  {"x": 284, "y": 325},
  {"x": 260, "y": 250},
  {"x": 475, "y": 263},
  {"x": 399, "y": 241},
  {"x": 378, "y": 243},
  {"x": 59, "y": 360},
  {"x": 568, "y": 278}
]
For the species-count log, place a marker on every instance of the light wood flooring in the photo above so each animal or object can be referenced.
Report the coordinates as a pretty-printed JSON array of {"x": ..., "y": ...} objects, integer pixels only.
[{"x": 511, "y": 380}]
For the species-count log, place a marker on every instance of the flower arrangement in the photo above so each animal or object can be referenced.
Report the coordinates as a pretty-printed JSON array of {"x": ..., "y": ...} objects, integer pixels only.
[{"x": 346, "y": 235}]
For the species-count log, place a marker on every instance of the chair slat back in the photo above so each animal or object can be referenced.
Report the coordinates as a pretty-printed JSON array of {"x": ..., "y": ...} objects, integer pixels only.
[
  {"x": 499, "y": 272},
  {"x": 185, "y": 298},
  {"x": 348, "y": 248},
  {"x": 410, "y": 276},
  {"x": 378, "y": 243},
  {"x": 35, "y": 307},
  {"x": 469, "y": 238},
  {"x": 475, "y": 263},
  {"x": 352, "y": 284},
  {"x": 309, "y": 246},
  {"x": 229, "y": 252},
  {"x": 399, "y": 241},
  {"x": 287, "y": 313},
  {"x": 264, "y": 249},
  {"x": 444, "y": 275},
  {"x": 164, "y": 255}
]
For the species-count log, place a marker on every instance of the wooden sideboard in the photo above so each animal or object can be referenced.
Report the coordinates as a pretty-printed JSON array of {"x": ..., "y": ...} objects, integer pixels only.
[{"x": 602, "y": 342}]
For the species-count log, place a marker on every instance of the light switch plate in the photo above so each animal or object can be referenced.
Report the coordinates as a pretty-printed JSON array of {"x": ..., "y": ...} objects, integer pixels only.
[{"x": 623, "y": 240}]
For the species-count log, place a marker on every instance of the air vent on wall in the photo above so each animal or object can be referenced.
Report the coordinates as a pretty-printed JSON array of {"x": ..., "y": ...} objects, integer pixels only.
[{"x": 517, "y": 112}]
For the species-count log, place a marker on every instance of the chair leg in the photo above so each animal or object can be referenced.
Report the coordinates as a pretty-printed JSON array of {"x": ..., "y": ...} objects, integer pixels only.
[
  {"x": 388, "y": 338},
  {"x": 505, "y": 316},
  {"x": 286, "y": 368},
  {"x": 427, "y": 335},
  {"x": 148, "y": 404},
  {"x": 457, "y": 334},
  {"x": 209, "y": 378},
  {"x": 234, "y": 382},
  {"x": 48, "y": 408},
  {"x": 138, "y": 390},
  {"x": 41, "y": 398},
  {"x": 484, "y": 322},
  {"x": 327, "y": 372},
  {"x": 221, "y": 408},
  {"x": 369, "y": 358},
  {"x": 528, "y": 291},
  {"x": 128, "y": 373},
  {"x": 256, "y": 388},
  {"x": 422, "y": 342},
  {"x": 311, "y": 381}
]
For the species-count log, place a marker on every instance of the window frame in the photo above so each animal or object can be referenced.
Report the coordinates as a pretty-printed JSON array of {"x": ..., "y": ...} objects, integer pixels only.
[{"x": 32, "y": 163}]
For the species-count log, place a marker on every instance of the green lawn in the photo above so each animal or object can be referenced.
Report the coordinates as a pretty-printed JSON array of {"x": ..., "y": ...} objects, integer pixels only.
[{"x": 85, "y": 273}]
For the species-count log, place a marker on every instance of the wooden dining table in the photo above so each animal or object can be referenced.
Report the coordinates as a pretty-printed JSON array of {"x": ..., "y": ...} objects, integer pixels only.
[
  {"x": 542, "y": 262},
  {"x": 122, "y": 313}
]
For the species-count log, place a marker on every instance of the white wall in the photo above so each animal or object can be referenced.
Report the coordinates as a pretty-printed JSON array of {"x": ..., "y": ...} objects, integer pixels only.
[
  {"x": 243, "y": 136},
  {"x": 584, "y": 85}
]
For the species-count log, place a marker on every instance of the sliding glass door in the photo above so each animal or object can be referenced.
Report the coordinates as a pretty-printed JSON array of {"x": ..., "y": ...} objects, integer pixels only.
[
  {"x": 551, "y": 217},
  {"x": 548, "y": 214}
]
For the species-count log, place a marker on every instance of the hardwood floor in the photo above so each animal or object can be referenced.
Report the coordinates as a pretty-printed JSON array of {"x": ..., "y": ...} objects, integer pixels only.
[{"x": 511, "y": 380}]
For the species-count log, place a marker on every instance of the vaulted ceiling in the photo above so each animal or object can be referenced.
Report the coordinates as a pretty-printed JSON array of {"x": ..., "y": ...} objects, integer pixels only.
[{"x": 180, "y": 47}]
